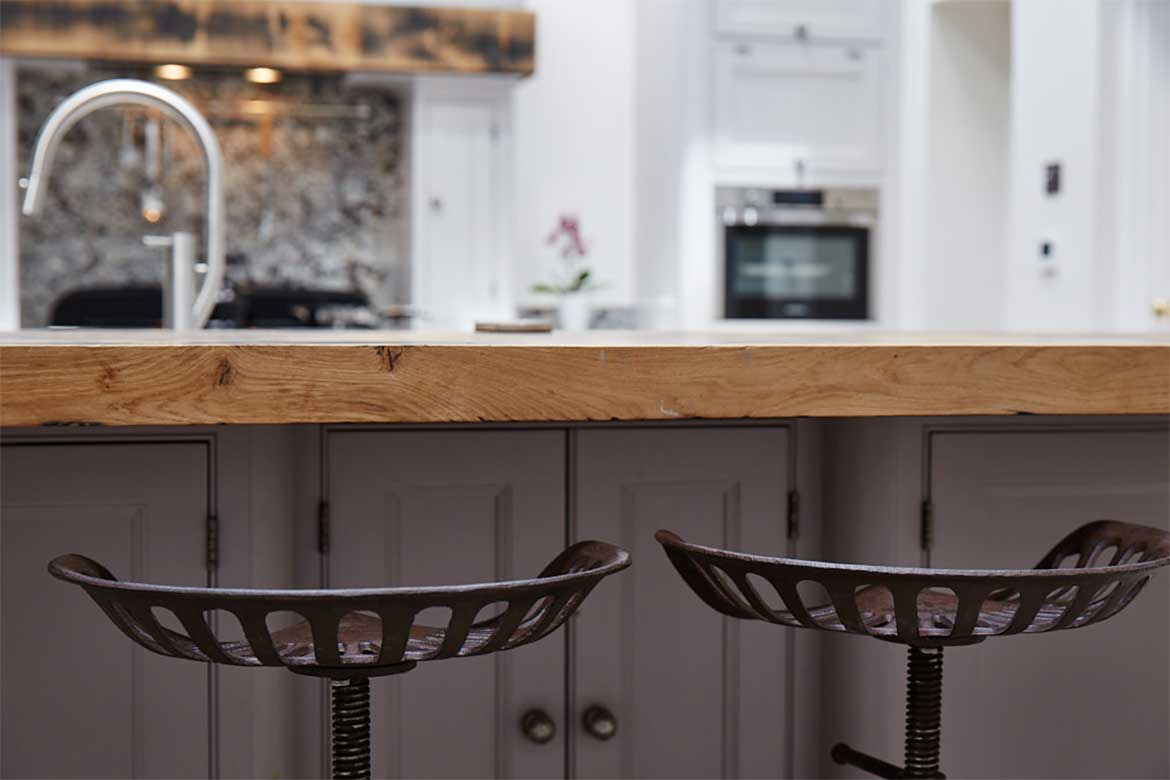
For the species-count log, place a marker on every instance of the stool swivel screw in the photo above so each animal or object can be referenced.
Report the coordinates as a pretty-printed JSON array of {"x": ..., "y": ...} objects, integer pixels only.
[
  {"x": 923, "y": 723},
  {"x": 351, "y": 727}
]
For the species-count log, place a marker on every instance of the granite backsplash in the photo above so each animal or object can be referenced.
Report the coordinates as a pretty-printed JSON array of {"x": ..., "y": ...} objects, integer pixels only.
[{"x": 314, "y": 185}]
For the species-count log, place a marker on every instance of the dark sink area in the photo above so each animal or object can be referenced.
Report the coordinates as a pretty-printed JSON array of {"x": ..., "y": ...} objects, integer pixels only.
[{"x": 258, "y": 307}]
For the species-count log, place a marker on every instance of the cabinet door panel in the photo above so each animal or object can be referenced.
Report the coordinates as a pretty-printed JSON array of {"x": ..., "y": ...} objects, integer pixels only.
[
  {"x": 70, "y": 679},
  {"x": 459, "y": 220},
  {"x": 692, "y": 691},
  {"x": 1084, "y": 703},
  {"x": 838, "y": 92},
  {"x": 434, "y": 508},
  {"x": 814, "y": 19}
]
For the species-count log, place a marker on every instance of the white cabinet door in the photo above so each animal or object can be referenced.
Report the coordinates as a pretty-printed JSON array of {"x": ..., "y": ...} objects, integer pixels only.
[
  {"x": 79, "y": 698},
  {"x": 694, "y": 694},
  {"x": 454, "y": 507},
  {"x": 1089, "y": 702},
  {"x": 790, "y": 112},
  {"x": 801, "y": 19},
  {"x": 460, "y": 203}
]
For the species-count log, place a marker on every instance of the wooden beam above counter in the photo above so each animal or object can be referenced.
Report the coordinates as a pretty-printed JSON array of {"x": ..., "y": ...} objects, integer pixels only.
[
  {"x": 291, "y": 35},
  {"x": 158, "y": 378}
]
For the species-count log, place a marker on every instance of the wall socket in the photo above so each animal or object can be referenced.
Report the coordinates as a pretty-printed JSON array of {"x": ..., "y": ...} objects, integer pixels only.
[{"x": 1046, "y": 255}]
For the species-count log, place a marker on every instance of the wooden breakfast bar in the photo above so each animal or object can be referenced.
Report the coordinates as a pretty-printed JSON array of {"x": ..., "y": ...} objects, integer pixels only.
[{"x": 217, "y": 377}]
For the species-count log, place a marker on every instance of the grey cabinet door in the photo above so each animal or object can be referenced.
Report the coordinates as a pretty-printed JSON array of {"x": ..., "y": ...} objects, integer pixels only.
[
  {"x": 1090, "y": 702},
  {"x": 433, "y": 508},
  {"x": 694, "y": 694},
  {"x": 80, "y": 699}
]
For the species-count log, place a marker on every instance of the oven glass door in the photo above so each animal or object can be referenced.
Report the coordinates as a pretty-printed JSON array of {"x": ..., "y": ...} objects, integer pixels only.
[{"x": 797, "y": 271}]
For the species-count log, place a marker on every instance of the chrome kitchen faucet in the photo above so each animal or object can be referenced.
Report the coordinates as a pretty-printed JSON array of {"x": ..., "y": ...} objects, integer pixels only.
[{"x": 181, "y": 312}]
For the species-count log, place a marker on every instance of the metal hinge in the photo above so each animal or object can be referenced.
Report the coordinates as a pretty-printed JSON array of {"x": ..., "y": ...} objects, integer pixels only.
[
  {"x": 926, "y": 538},
  {"x": 793, "y": 515},
  {"x": 211, "y": 536},
  {"x": 323, "y": 527}
]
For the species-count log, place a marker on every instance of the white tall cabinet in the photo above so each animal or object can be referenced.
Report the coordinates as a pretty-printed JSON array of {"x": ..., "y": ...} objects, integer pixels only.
[{"x": 461, "y": 205}]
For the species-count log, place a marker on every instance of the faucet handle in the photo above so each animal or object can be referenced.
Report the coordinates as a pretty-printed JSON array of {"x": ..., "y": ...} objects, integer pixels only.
[{"x": 179, "y": 279}]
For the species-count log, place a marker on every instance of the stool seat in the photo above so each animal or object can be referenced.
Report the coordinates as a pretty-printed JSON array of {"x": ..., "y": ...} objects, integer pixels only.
[
  {"x": 929, "y": 609},
  {"x": 349, "y": 636},
  {"x": 933, "y": 607},
  {"x": 348, "y": 632}
]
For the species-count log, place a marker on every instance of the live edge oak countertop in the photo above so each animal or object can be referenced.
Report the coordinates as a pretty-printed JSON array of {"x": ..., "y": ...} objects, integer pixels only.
[{"x": 78, "y": 377}]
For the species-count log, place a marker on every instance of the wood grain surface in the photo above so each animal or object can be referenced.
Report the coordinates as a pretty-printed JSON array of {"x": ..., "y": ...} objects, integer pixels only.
[
  {"x": 233, "y": 378},
  {"x": 291, "y": 35}
]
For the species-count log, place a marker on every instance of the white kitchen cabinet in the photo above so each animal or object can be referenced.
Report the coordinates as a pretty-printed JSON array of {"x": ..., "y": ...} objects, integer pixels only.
[
  {"x": 460, "y": 200},
  {"x": 80, "y": 699},
  {"x": 450, "y": 507},
  {"x": 792, "y": 114},
  {"x": 1085, "y": 703},
  {"x": 694, "y": 694},
  {"x": 852, "y": 20}
]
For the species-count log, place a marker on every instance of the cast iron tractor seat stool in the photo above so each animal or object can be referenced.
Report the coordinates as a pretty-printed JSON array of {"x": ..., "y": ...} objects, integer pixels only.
[
  {"x": 929, "y": 609},
  {"x": 349, "y": 635}
]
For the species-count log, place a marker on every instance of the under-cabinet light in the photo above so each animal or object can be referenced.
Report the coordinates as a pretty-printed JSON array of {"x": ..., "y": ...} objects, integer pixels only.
[
  {"x": 172, "y": 71},
  {"x": 263, "y": 75}
]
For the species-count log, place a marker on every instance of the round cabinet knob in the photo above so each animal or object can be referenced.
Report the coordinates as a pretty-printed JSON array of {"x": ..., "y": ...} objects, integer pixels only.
[
  {"x": 599, "y": 722},
  {"x": 538, "y": 726},
  {"x": 1161, "y": 307}
]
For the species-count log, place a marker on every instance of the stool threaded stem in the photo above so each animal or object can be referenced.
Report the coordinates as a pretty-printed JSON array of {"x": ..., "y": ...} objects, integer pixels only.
[
  {"x": 351, "y": 728},
  {"x": 923, "y": 712}
]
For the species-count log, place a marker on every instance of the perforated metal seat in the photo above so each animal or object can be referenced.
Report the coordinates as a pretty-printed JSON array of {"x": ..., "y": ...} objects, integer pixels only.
[
  {"x": 348, "y": 635},
  {"x": 929, "y": 609}
]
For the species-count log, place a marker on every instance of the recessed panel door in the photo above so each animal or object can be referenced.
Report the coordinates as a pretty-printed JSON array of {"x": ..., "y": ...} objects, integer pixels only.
[
  {"x": 442, "y": 508},
  {"x": 1088, "y": 702},
  {"x": 693, "y": 694},
  {"x": 79, "y": 698}
]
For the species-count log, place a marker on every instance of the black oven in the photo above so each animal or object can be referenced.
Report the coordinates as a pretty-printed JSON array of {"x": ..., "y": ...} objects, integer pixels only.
[{"x": 796, "y": 254}]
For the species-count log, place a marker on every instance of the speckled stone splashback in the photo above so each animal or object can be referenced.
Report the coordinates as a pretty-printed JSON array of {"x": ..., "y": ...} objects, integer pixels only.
[{"x": 315, "y": 193}]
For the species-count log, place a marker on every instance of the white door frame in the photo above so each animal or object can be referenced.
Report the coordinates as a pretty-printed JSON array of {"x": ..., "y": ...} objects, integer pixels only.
[{"x": 9, "y": 198}]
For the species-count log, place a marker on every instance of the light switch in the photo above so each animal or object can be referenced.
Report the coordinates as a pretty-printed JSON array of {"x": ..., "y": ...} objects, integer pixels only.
[{"x": 1052, "y": 178}]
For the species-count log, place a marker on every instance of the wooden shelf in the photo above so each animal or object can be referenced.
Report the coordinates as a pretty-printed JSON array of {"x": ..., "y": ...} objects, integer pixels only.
[
  {"x": 290, "y": 35},
  {"x": 103, "y": 378}
]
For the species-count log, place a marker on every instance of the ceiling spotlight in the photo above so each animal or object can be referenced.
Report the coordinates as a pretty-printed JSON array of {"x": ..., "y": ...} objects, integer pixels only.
[
  {"x": 172, "y": 72},
  {"x": 263, "y": 75}
]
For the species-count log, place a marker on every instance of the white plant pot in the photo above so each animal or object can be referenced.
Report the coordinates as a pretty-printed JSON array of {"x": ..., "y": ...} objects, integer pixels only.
[{"x": 574, "y": 312}]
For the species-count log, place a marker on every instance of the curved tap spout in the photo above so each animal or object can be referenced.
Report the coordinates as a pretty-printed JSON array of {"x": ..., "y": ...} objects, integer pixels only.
[{"x": 117, "y": 92}]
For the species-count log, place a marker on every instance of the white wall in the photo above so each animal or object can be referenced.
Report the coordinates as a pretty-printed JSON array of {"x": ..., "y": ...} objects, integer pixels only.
[
  {"x": 1055, "y": 94},
  {"x": 674, "y": 197},
  {"x": 660, "y": 140},
  {"x": 965, "y": 217},
  {"x": 574, "y": 143}
]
